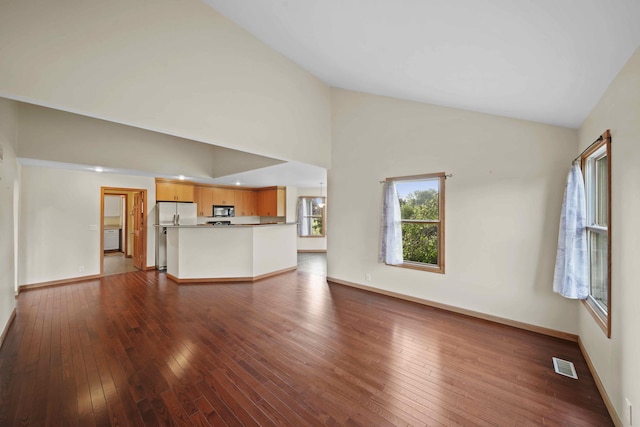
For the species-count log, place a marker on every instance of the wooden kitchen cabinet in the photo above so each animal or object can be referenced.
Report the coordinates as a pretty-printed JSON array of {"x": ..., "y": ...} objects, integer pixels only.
[
  {"x": 246, "y": 202},
  {"x": 268, "y": 201},
  {"x": 272, "y": 201},
  {"x": 174, "y": 192},
  {"x": 203, "y": 196},
  {"x": 223, "y": 196}
]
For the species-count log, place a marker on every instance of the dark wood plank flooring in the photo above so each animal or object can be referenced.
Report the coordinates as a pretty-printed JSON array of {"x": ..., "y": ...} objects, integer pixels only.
[{"x": 136, "y": 349}]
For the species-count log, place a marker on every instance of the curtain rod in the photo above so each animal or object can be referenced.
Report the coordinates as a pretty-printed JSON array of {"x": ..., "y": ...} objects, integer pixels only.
[
  {"x": 605, "y": 135},
  {"x": 446, "y": 176}
]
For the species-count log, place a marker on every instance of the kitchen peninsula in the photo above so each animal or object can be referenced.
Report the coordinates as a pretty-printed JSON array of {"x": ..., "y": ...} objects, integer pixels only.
[{"x": 233, "y": 253}]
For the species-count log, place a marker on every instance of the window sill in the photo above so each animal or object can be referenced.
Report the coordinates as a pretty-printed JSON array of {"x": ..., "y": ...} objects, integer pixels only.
[
  {"x": 601, "y": 319},
  {"x": 311, "y": 237},
  {"x": 424, "y": 267}
]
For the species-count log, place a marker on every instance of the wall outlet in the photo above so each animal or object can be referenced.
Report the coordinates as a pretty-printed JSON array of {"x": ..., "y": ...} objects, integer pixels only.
[
  {"x": 367, "y": 277},
  {"x": 628, "y": 412},
  {"x": 81, "y": 268}
]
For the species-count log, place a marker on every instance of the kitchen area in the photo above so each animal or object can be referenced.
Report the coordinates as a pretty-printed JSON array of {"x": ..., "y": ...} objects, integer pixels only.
[
  {"x": 114, "y": 222},
  {"x": 209, "y": 233}
]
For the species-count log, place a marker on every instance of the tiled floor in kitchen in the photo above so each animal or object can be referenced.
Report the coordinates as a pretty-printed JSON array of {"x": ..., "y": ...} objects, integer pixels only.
[
  {"x": 117, "y": 263},
  {"x": 311, "y": 262}
]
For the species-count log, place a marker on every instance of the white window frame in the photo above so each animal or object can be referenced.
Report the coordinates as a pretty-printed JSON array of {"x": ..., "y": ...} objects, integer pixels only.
[{"x": 323, "y": 216}]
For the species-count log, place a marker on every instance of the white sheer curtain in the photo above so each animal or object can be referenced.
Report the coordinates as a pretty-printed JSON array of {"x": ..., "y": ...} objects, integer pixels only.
[
  {"x": 304, "y": 210},
  {"x": 571, "y": 276},
  {"x": 390, "y": 227}
]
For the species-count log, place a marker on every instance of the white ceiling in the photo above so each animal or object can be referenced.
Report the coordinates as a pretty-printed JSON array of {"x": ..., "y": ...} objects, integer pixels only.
[{"x": 542, "y": 60}]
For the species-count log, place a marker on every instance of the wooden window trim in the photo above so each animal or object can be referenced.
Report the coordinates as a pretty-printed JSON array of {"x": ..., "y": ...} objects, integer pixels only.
[
  {"x": 440, "y": 222},
  {"x": 604, "y": 322}
]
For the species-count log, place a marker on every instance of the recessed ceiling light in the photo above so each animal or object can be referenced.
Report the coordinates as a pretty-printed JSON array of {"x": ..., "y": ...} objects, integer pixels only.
[
  {"x": 181, "y": 177},
  {"x": 238, "y": 183}
]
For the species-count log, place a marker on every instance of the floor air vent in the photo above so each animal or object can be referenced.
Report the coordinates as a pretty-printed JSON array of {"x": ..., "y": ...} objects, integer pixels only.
[{"x": 564, "y": 367}]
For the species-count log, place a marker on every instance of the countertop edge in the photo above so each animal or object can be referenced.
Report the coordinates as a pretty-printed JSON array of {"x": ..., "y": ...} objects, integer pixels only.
[{"x": 207, "y": 226}]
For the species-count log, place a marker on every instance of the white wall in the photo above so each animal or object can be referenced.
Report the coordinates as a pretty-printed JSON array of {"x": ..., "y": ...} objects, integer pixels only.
[
  {"x": 292, "y": 196},
  {"x": 311, "y": 243},
  {"x": 502, "y": 204},
  {"x": 57, "y": 208},
  {"x": 9, "y": 182},
  {"x": 48, "y": 134},
  {"x": 616, "y": 359},
  {"x": 177, "y": 67}
]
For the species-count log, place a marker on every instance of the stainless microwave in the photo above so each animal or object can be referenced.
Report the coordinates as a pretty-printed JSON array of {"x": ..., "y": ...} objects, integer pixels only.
[{"x": 222, "y": 210}]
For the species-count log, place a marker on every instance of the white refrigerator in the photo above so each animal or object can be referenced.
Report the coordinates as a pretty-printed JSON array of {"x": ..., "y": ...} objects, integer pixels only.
[{"x": 170, "y": 213}]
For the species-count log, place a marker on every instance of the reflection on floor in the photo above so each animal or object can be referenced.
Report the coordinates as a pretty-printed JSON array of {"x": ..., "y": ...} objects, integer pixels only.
[
  {"x": 116, "y": 263},
  {"x": 314, "y": 263}
]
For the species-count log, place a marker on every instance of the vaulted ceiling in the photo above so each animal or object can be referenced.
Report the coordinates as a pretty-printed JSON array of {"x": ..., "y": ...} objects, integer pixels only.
[{"x": 546, "y": 60}]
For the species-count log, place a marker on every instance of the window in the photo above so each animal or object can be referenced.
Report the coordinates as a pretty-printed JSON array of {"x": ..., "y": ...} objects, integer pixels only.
[
  {"x": 596, "y": 164},
  {"x": 421, "y": 200},
  {"x": 311, "y": 211}
]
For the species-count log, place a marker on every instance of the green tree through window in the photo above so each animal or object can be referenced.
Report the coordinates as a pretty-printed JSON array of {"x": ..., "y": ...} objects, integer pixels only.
[
  {"x": 422, "y": 214},
  {"x": 311, "y": 213},
  {"x": 419, "y": 239}
]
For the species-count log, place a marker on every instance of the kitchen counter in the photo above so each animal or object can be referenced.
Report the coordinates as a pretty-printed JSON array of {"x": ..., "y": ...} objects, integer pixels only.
[
  {"x": 229, "y": 253},
  {"x": 278, "y": 224}
]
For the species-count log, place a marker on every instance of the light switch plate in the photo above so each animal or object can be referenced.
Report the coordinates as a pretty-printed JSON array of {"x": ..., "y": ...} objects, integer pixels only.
[{"x": 93, "y": 228}]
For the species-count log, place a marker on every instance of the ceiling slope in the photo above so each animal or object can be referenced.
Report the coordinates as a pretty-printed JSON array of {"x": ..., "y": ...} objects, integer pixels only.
[{"x": 547, "y": 61}]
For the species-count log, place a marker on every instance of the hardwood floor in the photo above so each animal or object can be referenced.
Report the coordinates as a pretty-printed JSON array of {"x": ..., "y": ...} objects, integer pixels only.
[{"x": 136, "y": 349}]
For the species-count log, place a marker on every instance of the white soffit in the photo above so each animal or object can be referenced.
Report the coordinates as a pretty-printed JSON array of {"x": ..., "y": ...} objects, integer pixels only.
[
  {"x": 293, "y": 174},
  {"x": 545, "y": 60}
]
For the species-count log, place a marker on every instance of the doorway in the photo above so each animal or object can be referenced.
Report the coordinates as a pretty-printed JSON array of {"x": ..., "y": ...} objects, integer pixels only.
[{"x": 123, "y": 237}]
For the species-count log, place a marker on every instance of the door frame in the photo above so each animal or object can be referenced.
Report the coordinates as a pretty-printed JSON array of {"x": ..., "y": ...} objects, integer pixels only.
[{"x": 121, "y": 191}]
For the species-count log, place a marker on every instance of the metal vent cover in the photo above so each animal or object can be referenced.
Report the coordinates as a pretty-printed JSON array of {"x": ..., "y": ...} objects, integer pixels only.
[{"x": 564, "y": 367}]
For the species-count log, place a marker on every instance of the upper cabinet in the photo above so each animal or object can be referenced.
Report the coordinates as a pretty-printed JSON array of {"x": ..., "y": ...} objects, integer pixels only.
[
  {"x": 204, "y": 200},
  {"x": 269, "y": 201},
  {"x": 207, "y": 196},
  {"x": 174, "y": 192},
  {"x": 246, "y": 202},
  {"x": 223, "y": 196},
  {"x": 272, "y": 201}
]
